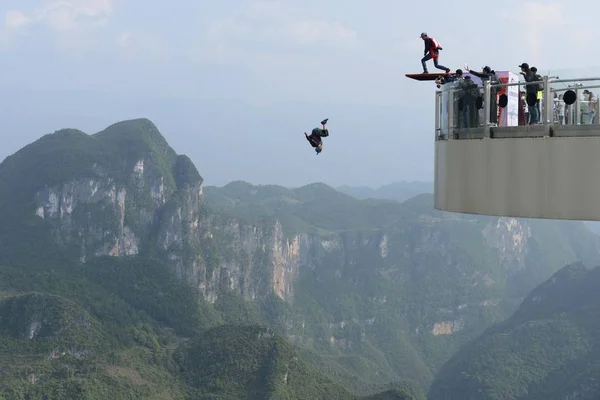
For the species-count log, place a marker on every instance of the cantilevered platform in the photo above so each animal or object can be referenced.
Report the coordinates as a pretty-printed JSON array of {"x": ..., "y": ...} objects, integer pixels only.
[
  {"x": 546, "y": 170},
  {"x": 432, "y": 76}
]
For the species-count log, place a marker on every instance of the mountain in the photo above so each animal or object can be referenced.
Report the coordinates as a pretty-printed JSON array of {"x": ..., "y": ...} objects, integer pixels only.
[
  {"x": 147, "y": 267},
  {"x": 399, "y": 191},
  {"x": 548, "y": 349},
  {"x": 397, "y": 287}
]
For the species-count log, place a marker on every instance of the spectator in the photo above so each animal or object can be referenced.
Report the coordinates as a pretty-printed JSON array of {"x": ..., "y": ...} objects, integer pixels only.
[{"x": 531, "y": 93}]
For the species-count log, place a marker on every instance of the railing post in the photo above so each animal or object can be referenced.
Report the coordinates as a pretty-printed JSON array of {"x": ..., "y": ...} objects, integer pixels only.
[
  {"x": 438, "y": 116},
  {"x": 577, "y": 106},
  {"x": 450, "y": 113},
  {"x": 548, "y": 102},
  {"x": 486, "y": 108}
]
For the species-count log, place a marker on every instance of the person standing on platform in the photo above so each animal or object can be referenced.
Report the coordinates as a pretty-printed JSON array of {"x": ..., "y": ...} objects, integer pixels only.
[
  {"x": 540, "y": 92},
  {"x": 531, "y": 91},
  {"x": 432, "y": 51}
]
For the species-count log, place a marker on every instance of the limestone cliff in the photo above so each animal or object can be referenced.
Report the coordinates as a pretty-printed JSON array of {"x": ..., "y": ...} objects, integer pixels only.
[{"x": 136, "y": 201}]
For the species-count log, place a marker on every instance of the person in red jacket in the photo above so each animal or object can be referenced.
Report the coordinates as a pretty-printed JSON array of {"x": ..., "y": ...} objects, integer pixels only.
[{"x": 432, "y": 51}]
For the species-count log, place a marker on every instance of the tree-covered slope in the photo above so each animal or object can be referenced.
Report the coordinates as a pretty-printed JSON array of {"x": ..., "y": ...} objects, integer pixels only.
[
  {"x": 66, "y": 337},
  {"x": 548, "y": 349},
  {"x": 117, "y": 328},
  {"x": 250, "y": 362},
  {"x": 122, "y": 328}
]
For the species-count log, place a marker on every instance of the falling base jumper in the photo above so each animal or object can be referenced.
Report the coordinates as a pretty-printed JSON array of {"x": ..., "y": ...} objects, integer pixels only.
[
  {"x": 315, "y": 137},
  {"x": 432, "y": 51}
]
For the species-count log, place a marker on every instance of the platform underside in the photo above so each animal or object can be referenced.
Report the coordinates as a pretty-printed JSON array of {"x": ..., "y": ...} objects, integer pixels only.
[
  {"x": 432, "y": 76},
  {"x": 527, "y": 177}
]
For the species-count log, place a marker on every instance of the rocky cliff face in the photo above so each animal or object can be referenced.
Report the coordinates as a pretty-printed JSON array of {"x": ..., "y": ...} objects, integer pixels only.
[
  {"x": 106, "y": 215},
  {"x": 92, "y": 213}
]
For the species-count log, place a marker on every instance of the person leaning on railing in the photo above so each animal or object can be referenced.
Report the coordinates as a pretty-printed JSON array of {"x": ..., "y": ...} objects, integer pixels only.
[
  {"x": 487, "y": 74},
  {"x": 447, "y": 78}
]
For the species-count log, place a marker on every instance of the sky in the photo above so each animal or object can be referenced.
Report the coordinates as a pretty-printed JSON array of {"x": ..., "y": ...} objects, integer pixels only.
[{"x": 234, "y": 84}]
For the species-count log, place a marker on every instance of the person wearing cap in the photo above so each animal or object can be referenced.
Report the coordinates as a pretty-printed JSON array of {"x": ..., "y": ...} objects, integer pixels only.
[
  {"x": 487, "y": 74},
  {"x": 432, "y": 51},
  {"x": 531, "y": 90},
  {"x": 448, "y": 78}
]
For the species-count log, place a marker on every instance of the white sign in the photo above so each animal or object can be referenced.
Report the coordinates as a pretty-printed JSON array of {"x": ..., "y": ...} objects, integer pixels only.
[{"x": 509, "y": 115}]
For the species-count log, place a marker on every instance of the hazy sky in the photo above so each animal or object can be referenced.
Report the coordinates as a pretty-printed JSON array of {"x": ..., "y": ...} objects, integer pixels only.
[{"x": 235, "y": 83}]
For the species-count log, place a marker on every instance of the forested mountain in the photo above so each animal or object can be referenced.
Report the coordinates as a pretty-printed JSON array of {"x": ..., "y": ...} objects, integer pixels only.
[
  {"x": 122, "y": 275},
  {"x": 549, "y": 349}
]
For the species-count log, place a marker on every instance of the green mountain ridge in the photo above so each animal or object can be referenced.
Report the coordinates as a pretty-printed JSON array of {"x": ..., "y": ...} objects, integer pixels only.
[
  {"x": 363, "y": 297},
  {"x": 110, "y": 152},
  {"x": 399, "y": 191},
  {"x": 314, "y": 208},
  {"x": 547, "y": 349}
]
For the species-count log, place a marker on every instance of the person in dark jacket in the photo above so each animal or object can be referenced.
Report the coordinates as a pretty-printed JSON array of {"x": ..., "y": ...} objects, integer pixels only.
[
  {"x": 487, "y": 74},
  {"x": 467, "y": 103},
  {"x": 531, "y": 93},
  {"x": 432, "y": 51},
  {"x": 540, "y": 93},
  {"x": 315, "y": 136},
  {"x": 448, "y": 78}
]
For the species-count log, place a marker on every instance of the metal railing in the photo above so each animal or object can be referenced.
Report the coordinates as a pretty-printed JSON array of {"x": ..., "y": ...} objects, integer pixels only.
[{"x": 496, "y": 111}]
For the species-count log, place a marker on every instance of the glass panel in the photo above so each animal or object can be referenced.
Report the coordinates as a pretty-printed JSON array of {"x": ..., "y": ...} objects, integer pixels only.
[
  {"x": 462, "y": 109},
  {"x": 526, "y": 114},
  {"x": 584, "y": 84},
  {"x": 513, "y": 109},
  {"x": 584, "y": 110},
  {"x": 439, "y": 134}
]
